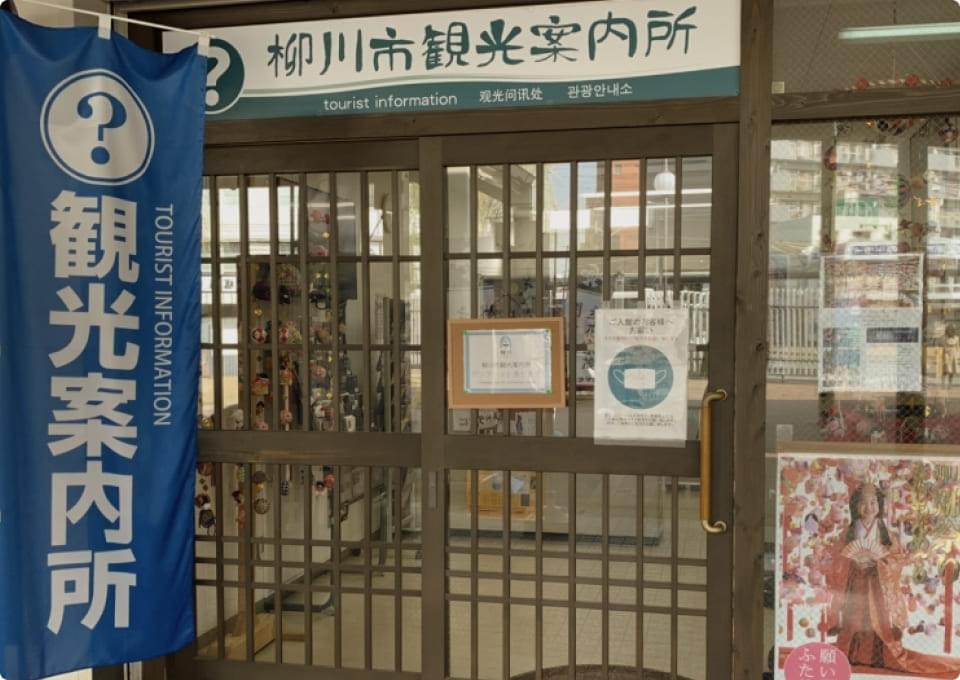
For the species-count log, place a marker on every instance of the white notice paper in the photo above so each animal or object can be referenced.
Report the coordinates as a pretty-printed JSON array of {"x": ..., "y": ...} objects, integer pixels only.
[
  {"x": 871, "y": 350},
  {"x": 505, "y": 361},
  {"x": 641, "y": 375}
]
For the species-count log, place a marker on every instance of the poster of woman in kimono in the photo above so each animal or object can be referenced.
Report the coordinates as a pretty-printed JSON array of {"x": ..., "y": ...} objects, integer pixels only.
[{"x": 868, "y": 554}]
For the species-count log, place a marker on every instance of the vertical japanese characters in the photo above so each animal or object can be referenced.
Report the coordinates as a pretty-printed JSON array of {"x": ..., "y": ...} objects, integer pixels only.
[{"x": 94, "y": 240}]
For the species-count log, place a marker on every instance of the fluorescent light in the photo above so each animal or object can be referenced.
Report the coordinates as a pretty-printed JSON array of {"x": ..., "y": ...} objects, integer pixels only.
[{"x": 867, "y": 34}]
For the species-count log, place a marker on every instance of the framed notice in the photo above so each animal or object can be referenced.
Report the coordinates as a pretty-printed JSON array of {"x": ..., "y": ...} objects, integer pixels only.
[{"x": 506, "y": 363}]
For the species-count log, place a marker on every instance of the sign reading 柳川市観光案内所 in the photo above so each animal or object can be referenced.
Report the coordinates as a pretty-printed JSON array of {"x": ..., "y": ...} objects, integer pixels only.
[{"x": 575, "y": 53}]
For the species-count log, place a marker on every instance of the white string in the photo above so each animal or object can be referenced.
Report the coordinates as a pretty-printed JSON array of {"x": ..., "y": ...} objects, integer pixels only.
[{"x": 204, "y": 37}]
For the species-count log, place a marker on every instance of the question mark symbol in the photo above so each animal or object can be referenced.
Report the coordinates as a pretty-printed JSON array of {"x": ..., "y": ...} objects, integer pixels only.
[
  {"x": 113, "y": 117},
  {"x": 219, "y": 63}
]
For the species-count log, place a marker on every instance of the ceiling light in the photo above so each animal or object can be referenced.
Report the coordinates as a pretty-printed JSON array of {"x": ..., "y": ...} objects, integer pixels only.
[{"x": 875, "y": 34}]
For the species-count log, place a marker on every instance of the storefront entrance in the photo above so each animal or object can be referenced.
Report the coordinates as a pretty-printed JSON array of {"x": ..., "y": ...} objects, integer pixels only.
[{"x": 361, "y": 528}]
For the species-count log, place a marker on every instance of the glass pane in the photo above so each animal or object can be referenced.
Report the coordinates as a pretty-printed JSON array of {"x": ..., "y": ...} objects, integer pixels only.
[
  {"x": 556, "y": 421},
  {"x": 556, "y": 283},
  {"x": 412, "y": 647},
  {"x": 459, "y": 641},
  {"x": 458, "y": 210},
  {"x": 458, "y": 291},
  {"x": 661, "y": 194},
  {"x": 489, "y": 209},
  {"x": 523, "y": 287},
  {"x": 823, "y": 47},
  {"x": 624, "y": 280},
  {"x": 585, "y": 381},
  {"x": 410, "y": 303},
  {"x": 291, "y": 408},
  {"x": 228, "y": 212},
  {"x": 233, "y": 601},
  {"x": 348, "y": 213},
  {"x": 556, "y": 207},
  {"x": 206, "y": 621},
  {"x": 233, "y": 408},
  {"x": 258, "y": 215},
  {"x": 695, "y": 278},
  {"x": 523, "y": 207},
  {"x": 410, "y": 213},
  {"x": 589, "y": 296},
  {"x": 491, "y": 422},
  {"x": 321, "y": 389},
  {"x": 352, "y": 635},
  {"x": 321, "y": 310},
  {"x": 625, "y": 205},
  {"x": 696, "y": 202},
  {"x": 862, "y": 361},
  {"x": 381, "y": 303},
  {"x": 288, "y": 214},
  {"x": 229, "y": 304},
  {"x": 659, "y": 280},
  {"x": 381, "y": 392},
  {"x": 351, "y": 391},
  {"x": 206, "y": 395},
  {"x": 411, "y": 396},
  {"x": 318, "y": 215},
  {"x": 491, "y": 302},
  {"x": 381, "y": 217},
  {"x": 692, "y": 641},
  {"x": 261, "y": 371},
  {"x": 290, "y": 304},
  {"x": 206, "y": 303},
  {"x": 259, "y": 303},
  {"x": 590, "y": 208},
  {"x": 206, "y": 226},
  {"x": 384, "y": 632},
  {"x": 350, "y": 298},
  {"x": 323, "y": 628}
]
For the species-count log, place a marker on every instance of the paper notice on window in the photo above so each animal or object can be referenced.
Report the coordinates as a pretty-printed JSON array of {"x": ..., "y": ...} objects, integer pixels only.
[
  {"x": 871, "y": 323},
  {"x": 871, "y": 350},
  {"x": 641, "y": 375}
]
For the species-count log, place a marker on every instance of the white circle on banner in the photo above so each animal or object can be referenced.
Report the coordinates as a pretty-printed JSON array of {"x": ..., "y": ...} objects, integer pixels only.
[{"x": 96, "y": 128}]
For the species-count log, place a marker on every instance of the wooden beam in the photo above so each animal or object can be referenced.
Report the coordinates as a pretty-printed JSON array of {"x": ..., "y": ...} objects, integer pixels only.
[
  {"x": 756, "y": 74},
  {"x": 805, "y": 106},
  {"x": 533, "y": 119}
]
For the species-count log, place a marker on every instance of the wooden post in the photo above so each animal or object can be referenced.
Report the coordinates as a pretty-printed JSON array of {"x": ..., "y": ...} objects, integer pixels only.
[{"x": 751, "y": 345}]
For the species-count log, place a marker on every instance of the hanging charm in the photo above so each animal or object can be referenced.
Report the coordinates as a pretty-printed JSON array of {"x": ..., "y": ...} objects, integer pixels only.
[{"x": 207, "y": 520}]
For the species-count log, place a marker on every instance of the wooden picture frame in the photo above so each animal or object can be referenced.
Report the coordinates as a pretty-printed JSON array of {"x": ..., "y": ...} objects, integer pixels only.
[{"x": 459, "y": 396}]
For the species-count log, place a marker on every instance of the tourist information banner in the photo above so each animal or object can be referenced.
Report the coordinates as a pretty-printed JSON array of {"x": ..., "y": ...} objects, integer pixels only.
[
  {"x": 562, "y": 54},
  {"x": 100, "y": 160}
]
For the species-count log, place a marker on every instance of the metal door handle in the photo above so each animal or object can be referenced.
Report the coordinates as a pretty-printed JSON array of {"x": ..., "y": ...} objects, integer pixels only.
[{"x": 706, "y": 454}]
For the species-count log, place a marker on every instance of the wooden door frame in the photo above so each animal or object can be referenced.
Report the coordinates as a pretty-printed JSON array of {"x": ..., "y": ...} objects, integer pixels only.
[
  {"x": 435, "y": 450},
  {"x": 442, "y": 452}
]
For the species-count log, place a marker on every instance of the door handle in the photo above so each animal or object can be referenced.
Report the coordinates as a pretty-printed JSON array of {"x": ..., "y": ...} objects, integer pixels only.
[{"x": 706, "y": 463}]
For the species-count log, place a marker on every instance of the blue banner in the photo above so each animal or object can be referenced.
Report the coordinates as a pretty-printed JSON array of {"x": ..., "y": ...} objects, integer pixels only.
[{"x": 100, "y": 168}]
